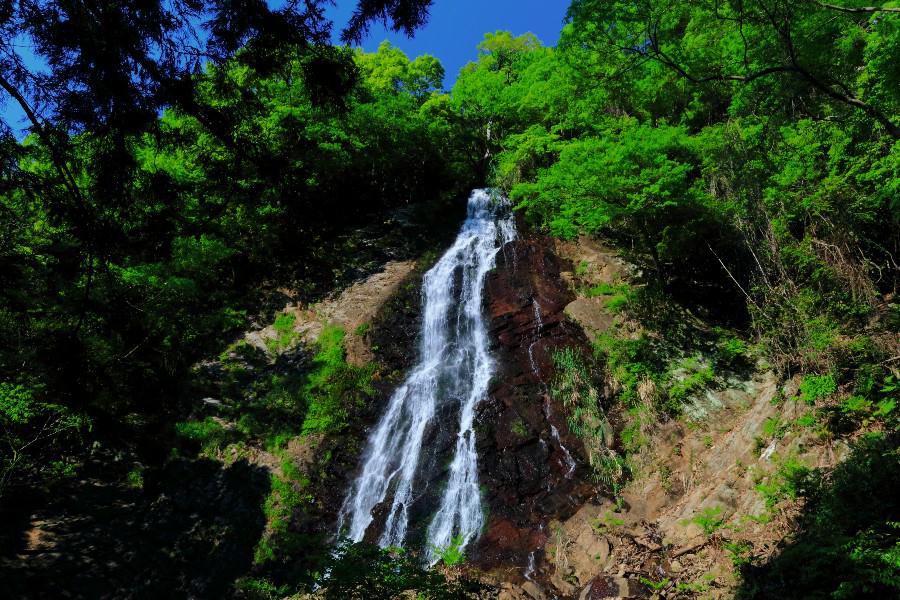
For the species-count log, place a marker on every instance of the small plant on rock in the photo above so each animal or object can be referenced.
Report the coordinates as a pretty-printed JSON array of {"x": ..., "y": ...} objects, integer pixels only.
[
  {"x": 656, "y": 586},
  {"x": 709, "y": 519},
  {"x": 453, "y": 554}
]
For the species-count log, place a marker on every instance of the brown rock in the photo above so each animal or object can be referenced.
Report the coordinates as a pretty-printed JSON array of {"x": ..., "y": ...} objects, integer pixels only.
[{"x": 605, "y": 587}]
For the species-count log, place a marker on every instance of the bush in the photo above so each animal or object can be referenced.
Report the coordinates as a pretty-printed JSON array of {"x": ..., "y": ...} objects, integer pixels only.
[
  {"x": 848, "y": 545},
  {"x": 453, "y": 555},
  {"x": 816, "y": 387},
  {"x": 334, "y": 387},
  {"x": 360, "y": 571},
  {"x": 34, "y": 432},
  {"x": 205, "y": 435},
  {"x": 285, "y": 336},
  {"x": 789, "y": 480}
]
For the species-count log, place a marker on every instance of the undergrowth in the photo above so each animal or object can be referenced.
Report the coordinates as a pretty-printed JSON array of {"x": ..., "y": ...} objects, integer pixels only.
[
  {"x": 574, "y": 386},
  {"x": 847, "y": 545}
]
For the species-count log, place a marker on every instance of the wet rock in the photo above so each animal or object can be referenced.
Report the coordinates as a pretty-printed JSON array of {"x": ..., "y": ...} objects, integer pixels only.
[{"x": 524, "y": 467}]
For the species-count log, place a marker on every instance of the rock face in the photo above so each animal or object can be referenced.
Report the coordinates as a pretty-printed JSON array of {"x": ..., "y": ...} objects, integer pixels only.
[{"x": 530, "y": 466}]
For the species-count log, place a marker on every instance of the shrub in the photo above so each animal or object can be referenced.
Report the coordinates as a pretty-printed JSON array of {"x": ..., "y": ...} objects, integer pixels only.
[
  {"x": 33, "y": 431},
  {"x": 688, "y": 377},
  {"x": 135, "y": 477},
  {"x": 206, "y": 435},
  {"x": 366, "y": 571},
  {"x": 816, "y": 387},
  {"x": 732, "y": 352},
  {"x": 285, "y": 336},
  {"x": 453, "y": 554},
  {"x": 333, "y": 386},
  {"x": 281, "y": 542},
  {"x": 847, "y": 543},
  {"x": 709, "y": 519},
  {"x": 789, "y": 480}
]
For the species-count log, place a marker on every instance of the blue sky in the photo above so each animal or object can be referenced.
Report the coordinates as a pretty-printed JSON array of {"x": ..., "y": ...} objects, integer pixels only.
[{"x": 457, "y": 26}]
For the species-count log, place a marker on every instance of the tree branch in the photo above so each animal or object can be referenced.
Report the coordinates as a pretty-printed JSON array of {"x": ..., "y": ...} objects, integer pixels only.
[
  {"x": 845, "y": 97},
  {"x": 858, "y": 10},
  {"x": 58, "y": 162}
]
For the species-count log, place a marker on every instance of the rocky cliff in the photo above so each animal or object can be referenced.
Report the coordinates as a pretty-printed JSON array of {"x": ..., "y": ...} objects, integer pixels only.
[{"x": 530, "y": 465}]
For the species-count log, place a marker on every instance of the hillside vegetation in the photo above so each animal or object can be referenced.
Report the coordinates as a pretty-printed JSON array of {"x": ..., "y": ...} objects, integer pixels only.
[{"x": 742, "y": 155}]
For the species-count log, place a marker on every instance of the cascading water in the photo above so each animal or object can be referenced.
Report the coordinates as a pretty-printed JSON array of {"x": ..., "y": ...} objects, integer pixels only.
[
  {"x": 571, "y": 465},
  {"x": 453, "y": 368}
]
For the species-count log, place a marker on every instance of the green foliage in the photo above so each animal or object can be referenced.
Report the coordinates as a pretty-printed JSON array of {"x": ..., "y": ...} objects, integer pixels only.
[
  {"x": 607, "y": 522},
  {"x": 33, "y": 432},
  {"x": 732, "y": 352},
  {"x": 702, "y": 585},
  {"x": 688, "y": 377},
  {"x": 207, "y": 435},
  {"x": 285, "y": 336},
  {"x": 773, "y": 428},
  {"x": 816, "y": 387},
  {"x": 874, "y": 403},
  {"x": 261, "y": 589},
  {"x": 135, "y": 477},
  {"x": 574, "y": 387},
  {"x": 367, "y": 571},
  {"x": 519, "y": 428},
  {"x": 130, "y": 253},
  {"x": 664, "y": 128},
  {"x": 789, "y": 480},
  {"x": 453, "y": 554},
  {"x": 655, "y": 585},
  {"x": 333, "y": 387},
  {"x": 630, "y": 361},
  {"x": 281, "y": 542},
  {"x": 709, "y": 519},
  {"x": 848, "y": 546},
  {"x": 607, "y": 289},
  {"x": 739, "y": 552}
]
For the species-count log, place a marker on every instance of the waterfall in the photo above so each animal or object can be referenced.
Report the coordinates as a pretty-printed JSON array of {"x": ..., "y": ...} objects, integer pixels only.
[{"x": 453, "y": 370}]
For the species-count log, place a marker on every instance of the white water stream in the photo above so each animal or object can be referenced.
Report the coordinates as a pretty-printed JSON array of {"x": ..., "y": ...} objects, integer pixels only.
[{"x": 453, "y": 370}]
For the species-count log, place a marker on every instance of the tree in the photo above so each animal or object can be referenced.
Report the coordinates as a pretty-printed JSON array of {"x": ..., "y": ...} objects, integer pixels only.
[{"x": 794, "y": 48}]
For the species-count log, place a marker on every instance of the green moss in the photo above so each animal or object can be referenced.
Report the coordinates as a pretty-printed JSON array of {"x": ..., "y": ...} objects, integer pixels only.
[{"x": 519, "y": 428}]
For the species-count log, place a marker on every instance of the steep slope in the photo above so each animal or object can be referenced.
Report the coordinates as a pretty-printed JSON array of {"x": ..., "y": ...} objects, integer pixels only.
[{"x": 709, "y": 491}]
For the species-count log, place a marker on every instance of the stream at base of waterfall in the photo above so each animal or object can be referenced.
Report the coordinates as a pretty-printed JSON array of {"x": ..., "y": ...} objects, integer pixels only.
[{"x": 453, "y": 371}]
